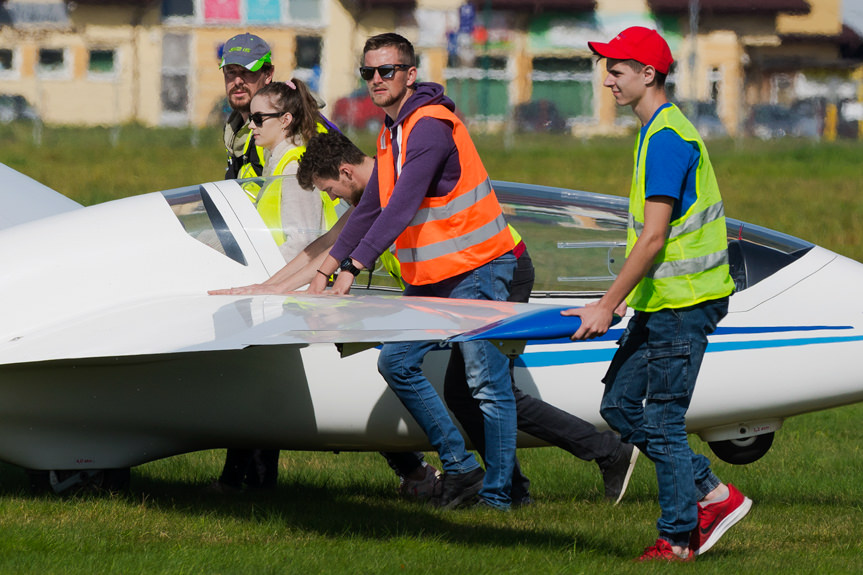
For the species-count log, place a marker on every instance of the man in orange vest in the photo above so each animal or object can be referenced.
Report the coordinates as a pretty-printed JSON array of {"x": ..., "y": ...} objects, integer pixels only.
[
  {"x": 431, "y": 196},
  {"x": 332, "y": 163}
]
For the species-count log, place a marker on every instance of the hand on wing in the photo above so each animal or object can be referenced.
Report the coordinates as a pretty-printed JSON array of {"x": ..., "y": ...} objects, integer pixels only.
[
  {"x": 595, "y": 320},
  {"x": 254, "y": 289},
  {"x": 343, "y": 283},
  {"x": 318, "y": 284}
]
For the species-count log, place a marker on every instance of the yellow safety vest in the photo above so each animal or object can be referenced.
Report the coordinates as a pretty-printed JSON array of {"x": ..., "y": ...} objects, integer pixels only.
[
  {"x": 269, "y": 203},
  {"x": 247, "y": 170},
  {"x": 253, "y": 163},
  {"x": 692, "y": 266},
  {"x": 254, "y": 169}
]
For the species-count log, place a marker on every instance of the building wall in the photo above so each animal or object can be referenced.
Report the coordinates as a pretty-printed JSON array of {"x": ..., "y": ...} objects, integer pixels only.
[
  {"x": 731, "y": 61},
  {"x": 824, "y": 18},
  {"x": 76, "y": 94}
]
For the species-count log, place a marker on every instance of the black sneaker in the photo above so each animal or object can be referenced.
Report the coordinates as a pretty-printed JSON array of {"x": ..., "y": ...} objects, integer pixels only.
[
  {"x": 616, "y": 475},
  {"x": 459, "y": 489}
]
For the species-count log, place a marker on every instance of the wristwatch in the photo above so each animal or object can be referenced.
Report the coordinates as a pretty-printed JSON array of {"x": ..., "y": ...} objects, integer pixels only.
[{"x": 348, "y": 266}]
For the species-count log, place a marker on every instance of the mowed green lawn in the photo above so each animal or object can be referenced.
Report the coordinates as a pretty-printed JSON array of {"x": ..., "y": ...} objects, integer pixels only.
[{"x": 337, "y": 513}]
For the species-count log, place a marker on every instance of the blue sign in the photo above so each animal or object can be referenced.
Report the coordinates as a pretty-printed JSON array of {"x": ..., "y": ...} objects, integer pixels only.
[{"x": 466, "y": 18}]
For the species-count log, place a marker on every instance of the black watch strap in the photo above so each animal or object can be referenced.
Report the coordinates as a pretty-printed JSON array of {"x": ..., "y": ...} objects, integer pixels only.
[{"x": 348, "y": 266}]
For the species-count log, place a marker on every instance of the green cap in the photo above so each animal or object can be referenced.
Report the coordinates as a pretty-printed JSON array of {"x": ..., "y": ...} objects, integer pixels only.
[{"x": 246, "y": 50}]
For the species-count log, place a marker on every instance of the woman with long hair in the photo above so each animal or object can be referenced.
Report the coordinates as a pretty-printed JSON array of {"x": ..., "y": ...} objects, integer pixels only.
[{"x": 284, "y": 116}]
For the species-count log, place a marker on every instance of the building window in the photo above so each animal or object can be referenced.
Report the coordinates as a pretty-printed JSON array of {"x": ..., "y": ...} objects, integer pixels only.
[
  {"x": 263, "y": 11},
  {"x": 308, "y": 54},
  {"x": 7, "y": 61},
  {"x": 175, "y": 79},
  {"x": 305, "y": 10},
  {"x": 178, "y": 8},
  {"x": 266, "y": 12},
  {"x": 309, "y": 50},
  {"x": 52, "y": 61},
  {"x": 481, "y": 90},
  {"x": 102, "y": 62},
  {"x": 568, "y": 82},
  {"x": 222, "y": 11}
]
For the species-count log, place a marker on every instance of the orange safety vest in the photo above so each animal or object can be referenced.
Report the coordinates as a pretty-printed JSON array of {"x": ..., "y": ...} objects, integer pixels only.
[{"x": 452, "y": 234}]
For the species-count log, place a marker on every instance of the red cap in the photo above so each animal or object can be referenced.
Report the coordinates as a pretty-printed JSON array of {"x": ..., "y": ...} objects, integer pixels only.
[{"x": 637, "y": 43}]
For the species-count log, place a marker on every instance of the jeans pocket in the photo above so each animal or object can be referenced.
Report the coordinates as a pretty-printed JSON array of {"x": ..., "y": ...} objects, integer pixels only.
[
  {"x": 616, "y": 361},
  {"x": 668, "y": 370}
]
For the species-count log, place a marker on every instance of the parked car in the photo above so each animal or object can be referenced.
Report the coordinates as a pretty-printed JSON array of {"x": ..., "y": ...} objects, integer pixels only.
[
  {"x": 356, "y": 112},
  {"x": 16, "y": 107},
  {"x": 538, "y": 116},
  {"x": 704, "y": 117},
  {"x": 767, "y": 121}
]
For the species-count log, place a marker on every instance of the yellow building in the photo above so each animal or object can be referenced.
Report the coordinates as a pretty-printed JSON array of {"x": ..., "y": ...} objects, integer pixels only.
[{"x": 155, "y": 61}]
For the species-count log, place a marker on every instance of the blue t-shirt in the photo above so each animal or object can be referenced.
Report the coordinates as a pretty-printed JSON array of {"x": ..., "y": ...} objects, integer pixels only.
[{"x": 671, "y": 166}]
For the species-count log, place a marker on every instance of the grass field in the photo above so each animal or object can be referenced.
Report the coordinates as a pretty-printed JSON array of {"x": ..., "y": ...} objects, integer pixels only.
[{"x": 337, "y": 513}]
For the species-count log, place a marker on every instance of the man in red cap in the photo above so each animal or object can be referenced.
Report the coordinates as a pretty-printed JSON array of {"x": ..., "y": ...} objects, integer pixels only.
[{"x": 676, "y": 279}]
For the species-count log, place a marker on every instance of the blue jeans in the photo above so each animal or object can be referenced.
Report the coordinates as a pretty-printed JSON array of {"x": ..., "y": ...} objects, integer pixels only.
[
  {"x": 488, "y": 378},
  {"x": 647, "y": 393}
]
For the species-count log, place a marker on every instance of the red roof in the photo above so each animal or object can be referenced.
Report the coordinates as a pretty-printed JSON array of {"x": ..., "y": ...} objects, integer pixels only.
[{"x": 733, "y": 6}]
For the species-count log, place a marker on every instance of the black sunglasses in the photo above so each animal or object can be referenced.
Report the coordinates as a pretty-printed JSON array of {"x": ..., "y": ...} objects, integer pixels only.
[
  {"x": 387, "y": 71},
  {"x": 259, "y": 117}
]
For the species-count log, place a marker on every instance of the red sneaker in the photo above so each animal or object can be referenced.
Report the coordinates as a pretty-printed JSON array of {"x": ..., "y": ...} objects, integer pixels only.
[
  {"x": 662, "y": 551},
  {"x": 714, "y": 519}
]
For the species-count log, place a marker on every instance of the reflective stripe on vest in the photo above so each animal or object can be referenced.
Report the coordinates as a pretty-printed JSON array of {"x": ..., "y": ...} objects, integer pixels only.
[
  {"x": 692, "y": 266},
  {"x": 254, "y": 169},
  {"x": 452, "y": 234},
  {"x": 269, "y": 201}
]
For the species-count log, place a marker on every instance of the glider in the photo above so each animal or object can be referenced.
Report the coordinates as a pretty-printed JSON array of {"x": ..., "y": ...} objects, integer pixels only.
[{"x": 112, "y": 354}]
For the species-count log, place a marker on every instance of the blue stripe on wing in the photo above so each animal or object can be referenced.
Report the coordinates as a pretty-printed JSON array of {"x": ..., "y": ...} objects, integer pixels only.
[{"x": 544, "y": 324}]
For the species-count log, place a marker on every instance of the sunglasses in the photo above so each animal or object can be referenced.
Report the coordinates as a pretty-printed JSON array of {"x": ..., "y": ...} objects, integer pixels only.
[
  {"x": 259, "y": 117},
  {"x": 387, "y": 71}
]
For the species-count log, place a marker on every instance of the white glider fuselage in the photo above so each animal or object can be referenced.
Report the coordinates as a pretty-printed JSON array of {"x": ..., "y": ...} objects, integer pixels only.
[{"x": 112, "y": 354}]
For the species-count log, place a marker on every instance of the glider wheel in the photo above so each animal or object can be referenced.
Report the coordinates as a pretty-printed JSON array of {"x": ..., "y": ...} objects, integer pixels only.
[
  {"x": 67, "y": 481},
  {"x": 742, "y": 451}
]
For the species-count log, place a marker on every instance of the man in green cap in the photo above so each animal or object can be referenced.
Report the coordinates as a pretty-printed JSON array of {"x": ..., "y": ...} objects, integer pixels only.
[{"x": 247, "y": 67}]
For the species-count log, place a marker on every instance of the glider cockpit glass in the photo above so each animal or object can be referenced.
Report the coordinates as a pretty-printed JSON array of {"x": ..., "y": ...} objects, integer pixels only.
[
  {"x": 577, "y": 240},
  {"x": 202, "y": 220},
  {"x": 755, "y": 253}
]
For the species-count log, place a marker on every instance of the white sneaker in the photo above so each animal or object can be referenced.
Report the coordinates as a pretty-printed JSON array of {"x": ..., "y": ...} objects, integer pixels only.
[{"x": 421, "y": 489}]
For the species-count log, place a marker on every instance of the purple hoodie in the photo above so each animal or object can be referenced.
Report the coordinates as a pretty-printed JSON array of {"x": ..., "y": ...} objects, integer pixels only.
[{"x": 431, "y": 169}]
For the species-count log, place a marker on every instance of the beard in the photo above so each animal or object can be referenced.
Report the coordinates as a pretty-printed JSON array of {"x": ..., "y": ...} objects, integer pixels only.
[
  {"x": 240, "y": 101},
  {"x": 387, "y": 99}
]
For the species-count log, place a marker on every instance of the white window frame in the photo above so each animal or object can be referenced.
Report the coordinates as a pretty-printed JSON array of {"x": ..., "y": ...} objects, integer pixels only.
[
  {"x": 197, "y": 18},
  {"x": 63, "y": 73},
  {"x": 14, "y": 72},
  {"x": 104, "y": 76}
]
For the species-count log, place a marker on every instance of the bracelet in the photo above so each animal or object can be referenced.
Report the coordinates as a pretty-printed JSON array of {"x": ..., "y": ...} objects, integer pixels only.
[{"x": 323, "y": 274}]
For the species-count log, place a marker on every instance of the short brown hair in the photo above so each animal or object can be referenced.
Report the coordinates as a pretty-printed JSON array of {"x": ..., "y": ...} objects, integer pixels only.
[
  {"x": 404, "y": 47},
  {"x": 323, "y": 156}
]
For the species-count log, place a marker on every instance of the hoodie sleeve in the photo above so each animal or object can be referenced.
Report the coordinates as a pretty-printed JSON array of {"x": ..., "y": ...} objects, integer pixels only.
[{"x": 430, "y": 169}]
